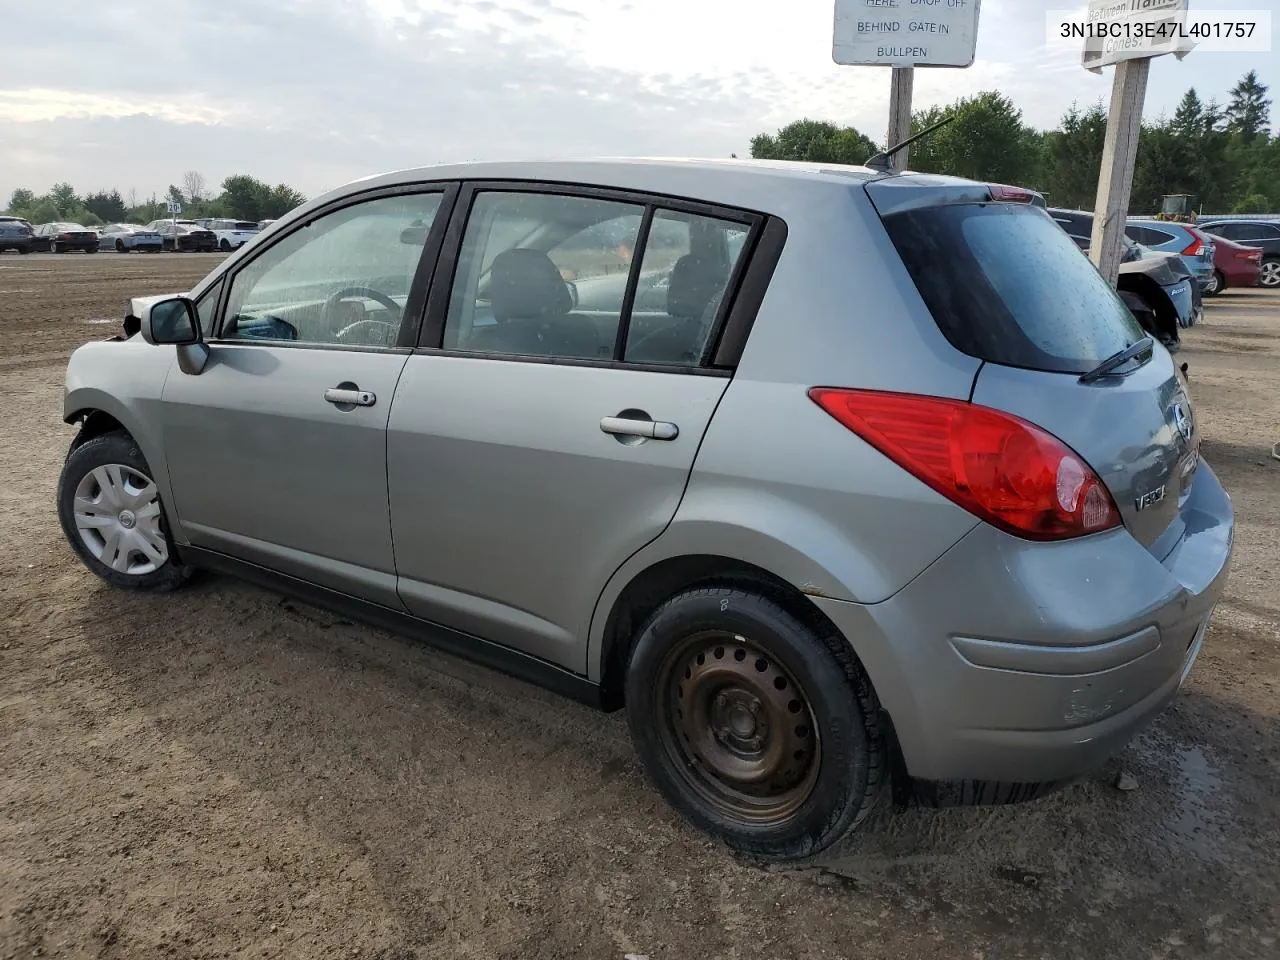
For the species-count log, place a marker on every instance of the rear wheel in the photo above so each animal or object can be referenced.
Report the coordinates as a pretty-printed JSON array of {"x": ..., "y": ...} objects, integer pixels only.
[
  {"x": 112, "y": 516},
  {"x": 1217, "y": 283},
  {"x": 24, "y": 250},
  {"x": 54, "y": 248},
  {"x": 1270, "y": 275},
  {"x": 759, "y": 730},
  {"x": 119, "y": 246},
  {"x": 224, "y": 246}
]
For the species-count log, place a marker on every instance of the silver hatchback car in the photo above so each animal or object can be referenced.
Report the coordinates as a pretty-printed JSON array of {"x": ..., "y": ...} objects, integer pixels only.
[{"x": 829, "y": 477}]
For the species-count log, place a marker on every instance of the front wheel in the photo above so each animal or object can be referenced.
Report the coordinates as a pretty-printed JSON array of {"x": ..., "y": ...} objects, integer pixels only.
[
  {"x": 224, "y": 246},
  {"x": 119, "y": 246},
  {"x": 759, "y": 730},
  {"x": 1270, "y": 275},
  {"x": 112, "y": 516}
]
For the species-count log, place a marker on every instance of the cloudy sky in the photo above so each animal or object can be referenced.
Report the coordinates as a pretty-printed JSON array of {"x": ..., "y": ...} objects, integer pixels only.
[{"x": 316, "y": 92}]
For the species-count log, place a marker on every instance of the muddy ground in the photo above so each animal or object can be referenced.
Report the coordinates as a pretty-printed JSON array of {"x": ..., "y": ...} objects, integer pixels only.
[{"x": 221, "y": 773}]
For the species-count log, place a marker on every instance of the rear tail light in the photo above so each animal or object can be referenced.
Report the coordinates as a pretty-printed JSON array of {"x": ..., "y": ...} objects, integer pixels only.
[
  {"x": 64, "y": 236},
  {"x": 1197, "y": 243},
  {"x": 1002, "y": 469},
  {"x": 1248, "y": 254}
]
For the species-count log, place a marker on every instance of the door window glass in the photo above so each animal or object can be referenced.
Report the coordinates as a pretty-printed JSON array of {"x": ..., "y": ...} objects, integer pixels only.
[
  {"x": 687, "y": 264},
  {"x": 344, "y": 278},
  {"x": 542, "y": 275}
]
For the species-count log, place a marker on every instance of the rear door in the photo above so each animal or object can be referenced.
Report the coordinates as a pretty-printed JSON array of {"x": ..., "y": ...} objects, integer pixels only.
[
  {"x": 1006, "y": 286},
  {"x": 546, "y": 429}
]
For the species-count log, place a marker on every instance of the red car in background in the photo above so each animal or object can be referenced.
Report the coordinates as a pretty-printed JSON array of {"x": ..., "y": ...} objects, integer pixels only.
[{"x": 1234, "y": 265}]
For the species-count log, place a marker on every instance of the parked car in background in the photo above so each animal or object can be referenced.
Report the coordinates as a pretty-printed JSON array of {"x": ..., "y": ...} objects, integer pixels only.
[
  {"x": 1156, "y": 287},
  {"x": 15, "y": 234},
  {"x": 1194, "y": 246},
  {"x": 1263, "y": 235},
  {"x": 816, "y": 525},
  {"x": 126, "y": 237},
  {"x": 233, "y": 234},
  {"x": 186, "y": 238},
  {"x": 263, "y": 224},
  {"x": 1234, "y": 265},
  {"x": 62, "y": 237}
]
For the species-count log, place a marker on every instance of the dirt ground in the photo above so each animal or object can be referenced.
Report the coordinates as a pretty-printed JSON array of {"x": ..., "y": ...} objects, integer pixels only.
[{"x": 222, "y": 773}]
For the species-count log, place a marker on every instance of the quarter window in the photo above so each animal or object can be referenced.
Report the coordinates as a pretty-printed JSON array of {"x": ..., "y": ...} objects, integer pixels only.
[
  {"x": 342, "y": 279},
  {"x": 687, "y": 264}
]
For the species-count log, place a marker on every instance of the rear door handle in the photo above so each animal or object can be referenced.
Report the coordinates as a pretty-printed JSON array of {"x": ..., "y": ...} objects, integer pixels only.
[
  {"x": 649, "y": 429},
  {"x": 355, "y": 398}
]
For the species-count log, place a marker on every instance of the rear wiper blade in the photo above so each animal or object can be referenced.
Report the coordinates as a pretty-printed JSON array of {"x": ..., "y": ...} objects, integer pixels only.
[{"x": 1144, "y": 346}]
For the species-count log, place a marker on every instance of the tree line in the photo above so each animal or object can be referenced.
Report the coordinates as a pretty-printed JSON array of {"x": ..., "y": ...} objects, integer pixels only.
[
  {"x": 1224, "y": 156},
  {"x": 241, "y": 197}
]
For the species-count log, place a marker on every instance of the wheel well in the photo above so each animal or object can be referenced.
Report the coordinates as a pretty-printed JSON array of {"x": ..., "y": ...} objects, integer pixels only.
[
  {"x": 94, "y": 423},
  {"x": 659, "y": 583}
]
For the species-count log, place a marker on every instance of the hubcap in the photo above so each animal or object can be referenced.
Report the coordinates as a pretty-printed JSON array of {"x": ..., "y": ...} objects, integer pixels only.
[
  {"x": 118, "y": 516},
  {"x": 1270, "y": 276},
  {"x": 738, "y": 728}
]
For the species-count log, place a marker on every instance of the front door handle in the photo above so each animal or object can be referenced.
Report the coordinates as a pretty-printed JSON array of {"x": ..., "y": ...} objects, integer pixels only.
[
  {"x": 343, "y": 397},
  {"x": 647, "y": 429}
]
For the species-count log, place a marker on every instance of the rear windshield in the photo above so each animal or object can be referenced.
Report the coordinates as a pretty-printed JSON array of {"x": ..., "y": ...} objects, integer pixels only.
[{"x": 1007, "y": 285}]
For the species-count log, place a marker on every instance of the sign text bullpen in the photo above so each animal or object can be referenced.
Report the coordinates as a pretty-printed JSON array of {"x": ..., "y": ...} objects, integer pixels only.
[{"x": 906, "y": 33}]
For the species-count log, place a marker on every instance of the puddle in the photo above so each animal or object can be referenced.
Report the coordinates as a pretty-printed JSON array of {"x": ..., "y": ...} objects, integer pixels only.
[
  {"x": 17, "y": 291},
  {"x": 1198, "y": 820}
]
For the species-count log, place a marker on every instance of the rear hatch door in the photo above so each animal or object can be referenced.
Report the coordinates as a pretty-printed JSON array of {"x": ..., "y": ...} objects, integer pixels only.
[{"x": 1007, "y": 286}]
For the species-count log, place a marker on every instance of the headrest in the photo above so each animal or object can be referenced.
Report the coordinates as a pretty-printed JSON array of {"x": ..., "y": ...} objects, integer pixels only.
[
  {"x": 694, "y": 281},
  {"x": 525, "y": 285}
]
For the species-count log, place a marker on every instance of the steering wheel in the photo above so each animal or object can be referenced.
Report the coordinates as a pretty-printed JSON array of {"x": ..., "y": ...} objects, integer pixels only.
[{"x": 367, "y": 327}]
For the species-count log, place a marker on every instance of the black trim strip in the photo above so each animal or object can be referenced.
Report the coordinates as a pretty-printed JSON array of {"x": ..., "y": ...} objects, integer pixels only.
[
  {"x": 638, "y": 253},
  {"x": 476, "y": 649},
  {"x": 446, "y": 269},
  {"x": 764, "y": 257},
  {"x": 684, "y": 369},
  {"x": 415, "y": 307}
]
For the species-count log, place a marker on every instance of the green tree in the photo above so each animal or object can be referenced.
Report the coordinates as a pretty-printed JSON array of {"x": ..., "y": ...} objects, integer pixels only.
[
  {"x": 814, "y": 141},
  {"x": 1249, "y": 112},
  {"x": 21, "y": 200},
  {"x": 65, "y": 201},
  {"x": 108, "y": 206},
  {"x": 987, "y": 140},
  {"x": 279, "y": 200}
]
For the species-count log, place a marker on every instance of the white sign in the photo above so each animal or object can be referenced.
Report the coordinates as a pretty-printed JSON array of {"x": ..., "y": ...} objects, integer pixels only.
[
  {"x": 906, "y": 33},
  {"x": 1117, "y": 30},
  {"x": 173, "y": 206}
]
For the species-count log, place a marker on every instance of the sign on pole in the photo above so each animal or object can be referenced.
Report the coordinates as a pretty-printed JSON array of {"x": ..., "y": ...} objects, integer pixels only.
[
  {"x": 1120, "y": 30},
  {"x": 173, "y": 206},
  {"x": 1116, "y": 33},
  {"x": 905, "y": 34}
]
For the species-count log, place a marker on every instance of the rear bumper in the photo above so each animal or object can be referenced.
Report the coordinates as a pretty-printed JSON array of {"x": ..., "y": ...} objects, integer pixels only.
[{"x": 1015, "y": 662}]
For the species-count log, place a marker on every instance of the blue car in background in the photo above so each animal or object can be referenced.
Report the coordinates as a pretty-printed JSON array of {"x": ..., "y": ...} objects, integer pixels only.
[{"x": 1194, "y": 247}]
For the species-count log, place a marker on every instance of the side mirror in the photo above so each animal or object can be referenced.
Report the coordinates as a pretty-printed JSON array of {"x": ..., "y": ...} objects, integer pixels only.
[{"x": 170, "y": 320}]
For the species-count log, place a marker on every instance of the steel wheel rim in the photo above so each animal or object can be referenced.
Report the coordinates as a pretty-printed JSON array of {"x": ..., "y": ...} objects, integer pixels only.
[
  {"x": 118, "y": 518},
  {"x": 1212, "y": 285},
  {"x": 1270, "y": 276},
  {"x": 738, "y": 728}
]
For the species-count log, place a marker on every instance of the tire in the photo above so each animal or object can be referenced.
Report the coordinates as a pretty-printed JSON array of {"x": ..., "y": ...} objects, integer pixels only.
[
  {"x": 90, "y": 249},
  {"x": 116, "y": 457},
  {"x": 53, "y": 248},
  {"x": 24, "y": 250},
  {"x": 1217, "y": 283},
  {"x": 1270, "y": 275},
  {"x": 756, "y": 682},
  {"x": 224, "y": 246},
  {"x": 120, "y": 246}
]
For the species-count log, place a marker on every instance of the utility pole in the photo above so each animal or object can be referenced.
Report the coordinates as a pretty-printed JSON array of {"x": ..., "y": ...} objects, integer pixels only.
[
  {"x": 900, "y": 91},
  {"x": 1119, "y": 158}
]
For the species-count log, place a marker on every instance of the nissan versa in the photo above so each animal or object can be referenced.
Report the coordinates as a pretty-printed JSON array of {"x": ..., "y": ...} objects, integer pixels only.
[{"x": 819, "y": 472}]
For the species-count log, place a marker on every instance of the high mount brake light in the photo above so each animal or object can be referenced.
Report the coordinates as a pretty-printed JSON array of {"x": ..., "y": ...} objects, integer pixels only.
[
  {"x": 1004, "y": 194},
  {"x": 1004, "y": 470}
]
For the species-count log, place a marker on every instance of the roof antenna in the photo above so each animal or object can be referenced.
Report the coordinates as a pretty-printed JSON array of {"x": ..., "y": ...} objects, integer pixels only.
[{"x": 880, "y": 161}]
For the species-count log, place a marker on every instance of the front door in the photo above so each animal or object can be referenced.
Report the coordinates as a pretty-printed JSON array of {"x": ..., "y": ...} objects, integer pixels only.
[
  {"x": 543, "y": 439},
  {"x": 277, "y": 448}
]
